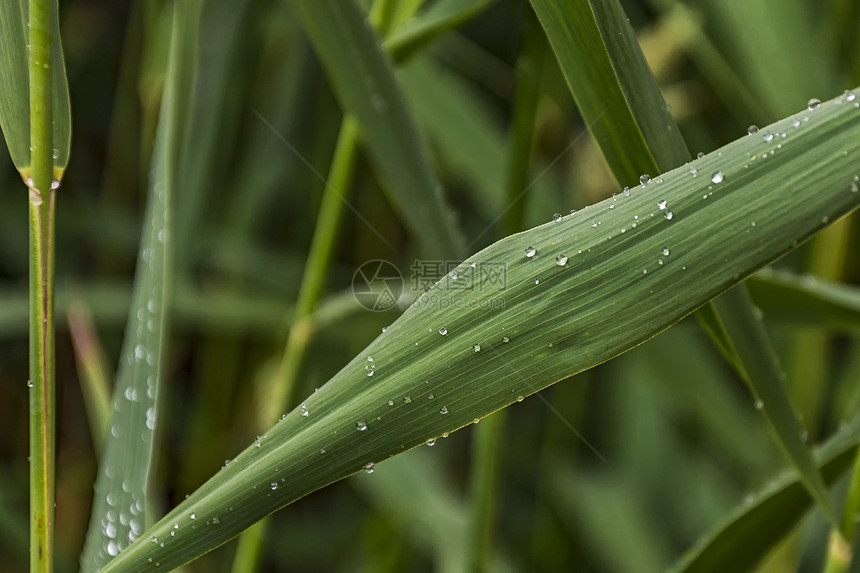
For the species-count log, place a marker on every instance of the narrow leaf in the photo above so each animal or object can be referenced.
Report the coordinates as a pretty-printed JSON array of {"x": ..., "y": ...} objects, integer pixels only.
[
  {"x": 806, "y": 300},
  {"x": 749, "y": 533},
  {"x": 593, "y": 287},
  {"x": 762, "y": 372},
  {"x": 120, "y": 502},
  {"x": 14, "y": 89},
  {"x": 439, "y": 17},
  {"x": 363, "y": 80},
  {"x": 612, "y": 86}
]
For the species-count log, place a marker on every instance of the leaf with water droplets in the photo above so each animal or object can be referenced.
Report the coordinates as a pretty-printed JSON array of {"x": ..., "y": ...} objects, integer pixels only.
[
  {"x": 119, "y": 506},
  {"x": 599, "y": 305}
]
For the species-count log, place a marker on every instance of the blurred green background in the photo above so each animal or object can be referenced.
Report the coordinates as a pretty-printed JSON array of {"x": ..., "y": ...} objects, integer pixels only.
[{"x": 621, "y": 469}]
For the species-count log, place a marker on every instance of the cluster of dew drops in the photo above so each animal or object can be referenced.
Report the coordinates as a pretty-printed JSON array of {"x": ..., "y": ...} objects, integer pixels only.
[{"x": 562, "y": 260}]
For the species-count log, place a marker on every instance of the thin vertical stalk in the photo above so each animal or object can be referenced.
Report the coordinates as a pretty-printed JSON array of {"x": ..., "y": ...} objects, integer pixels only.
[
  {"x": 41, "y": 196},
  {"x": 299, "y": 338}
]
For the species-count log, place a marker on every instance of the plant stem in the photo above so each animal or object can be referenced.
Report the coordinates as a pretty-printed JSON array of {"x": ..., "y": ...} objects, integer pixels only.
[
  {"x": 301, "y": 331},
  {"x": 41, "y": 196}
]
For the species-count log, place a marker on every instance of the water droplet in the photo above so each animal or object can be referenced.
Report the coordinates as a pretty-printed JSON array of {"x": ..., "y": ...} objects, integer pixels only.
[
  {"x": 520, "y": 398},
  {"x": 472, "y": 265},
  {"x": 759, "y": 404},
  {"x": 431, "y": 396},
  {"x": 561, "y": 260},
  {"x": 216, "y": 520},
  {"x": 813, "y": 104},
  {"x": 693, "y": 171},
  {"x": 384, "y": 329},
  {"x": 304, "y": 410},
  {"x": 370, "y": 371},
  {"x": 407, "y": 399},
  {"x": 537, "y": 281},
  {"x": 443, "y": 410},
  {"x": 192, "y": 515},
  {"x": 854, "y": 187},
  {"x": 369, "y": 467},
  {"x": 752, "y": 129},
  {"x": 274, "y": 485},
  {"x": 644, "y": 179},
  {"x": 665, "y": 251},
  {"x": 29, "y": 383},
  {"x": 360, "y": 426},
  {"x": 626, "y": 191},
  {"x": 476, "y": 420},
  {"x": 431, "y": 442},
  {"x": 443, "y": 331},
  {"x": 153, "y": 539},
  {"x": 556, "y": 217},
  {"x": 476, "y": 347},
  {"x": 530, "y": 252},
  {"x": 717, "y": 177},
  {"x": 505, "y": 339},
  {"x": 669, "y": 215},
  {"x": 454, "y": 275},
  {"x": 700, "y": 155},
  {"x": 661, "y": 205}
]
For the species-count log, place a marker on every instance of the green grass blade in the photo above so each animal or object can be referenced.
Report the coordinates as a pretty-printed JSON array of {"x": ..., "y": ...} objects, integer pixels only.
[
  {"x": 14, "y": 88},
  {"x": 14, "y": 93},
  {"x": 619, "y": 286},
  {"x": 806, "y": 300},
  {"x": 92, "y": 370},
  {"x": 418, "y": 31},
  {"x": 363, "y": 80},
  {"x": 611, "y": 84},
  {"x": 613, "y": 53},
  {"x": 762, "y": 372},
  {"x": 761, "y": 521},
  {"x": 120, "y": 502},
  {"x": 468, "y": 145}
]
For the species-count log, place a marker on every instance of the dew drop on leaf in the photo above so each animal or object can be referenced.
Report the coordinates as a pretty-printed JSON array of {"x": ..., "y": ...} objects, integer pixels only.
[
  {"x": 813, "y": 104},
  {"x": 360, "y": 426},
  {"x": 530, "y": 252},
  {"x": 557, "y": 217},
  {"x": 369, "y": 467},
  {"x": 561, "y": 260},
  {"x": 476, "y": 347},
  {"x": 717, "y": 177},
  {"x": 443, "y": 331}
]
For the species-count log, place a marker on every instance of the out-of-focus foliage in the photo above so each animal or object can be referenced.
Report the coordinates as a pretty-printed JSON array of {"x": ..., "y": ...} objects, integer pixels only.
[{"x": 622, "y": 468}]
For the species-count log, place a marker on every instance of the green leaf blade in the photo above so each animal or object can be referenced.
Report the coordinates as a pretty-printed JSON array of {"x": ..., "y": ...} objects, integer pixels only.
[
  {"x": 119, "y": 514},
  {"x": 746, "y": 536},
  {"x": 617, "y": 289},
  {"x": 363, "y": 79},
  {"x": 14, "y": 89}
]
